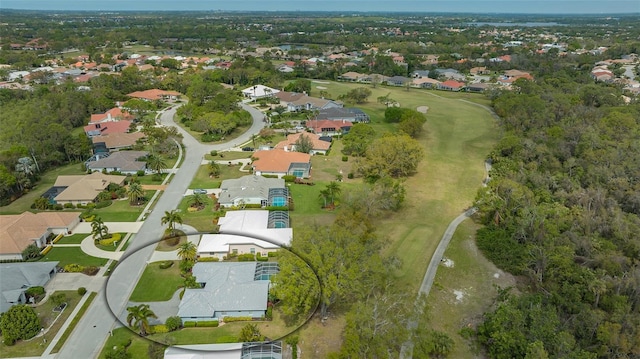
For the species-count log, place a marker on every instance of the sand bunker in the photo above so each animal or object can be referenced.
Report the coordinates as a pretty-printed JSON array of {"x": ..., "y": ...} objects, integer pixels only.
[{"x": 423, "y": 109}]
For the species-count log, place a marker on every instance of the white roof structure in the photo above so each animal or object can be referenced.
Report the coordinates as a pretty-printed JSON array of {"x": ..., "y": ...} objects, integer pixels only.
[
  {"x": 259, "y": 91},
  {"x": 221, "y": 243},
  {"x": 253, "y": 223}
]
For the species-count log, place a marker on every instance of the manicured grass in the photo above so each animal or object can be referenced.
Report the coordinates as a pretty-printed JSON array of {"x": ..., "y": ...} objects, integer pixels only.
[
  {"x": 74, "y": 322},
  {"x": 121, "y": 336},
  {"x": 473, "y": 277},
  {"x": 227, "y": 333},
  {"x": 73, "y": 239},
  {"x": 68, "y": 255},
  {"x": 202, "y": 179},
  {"x": 36, "y": 346},
  {"x": 228, "y": 156},
  {"x": 24, "y": 203},
  {"x": 201, "y": 220},
  {"x": 157, "y": 284},
  {"x": 120, "y": 211},
  {"x": 148, "y": 179}
]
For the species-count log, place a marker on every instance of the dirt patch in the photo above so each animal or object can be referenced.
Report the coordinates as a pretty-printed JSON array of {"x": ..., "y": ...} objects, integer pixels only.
[
  {"x": 321, "y": 87},
  {"x": 459, "y": 295},
  {"x": 154, "y": 187},
  {"x": 447, "y": 262},
  {"x": 423, "y": 109}
]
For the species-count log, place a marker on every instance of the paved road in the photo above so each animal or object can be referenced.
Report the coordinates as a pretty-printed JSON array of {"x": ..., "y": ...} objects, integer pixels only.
[{"x": 92, "y": 330}]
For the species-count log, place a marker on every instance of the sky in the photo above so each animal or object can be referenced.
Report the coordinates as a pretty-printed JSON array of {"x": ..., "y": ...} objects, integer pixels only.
[{"x": 427, "y": 6}]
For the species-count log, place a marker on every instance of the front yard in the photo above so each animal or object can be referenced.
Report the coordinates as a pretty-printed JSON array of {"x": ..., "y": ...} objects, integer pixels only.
[
  {"x": 157, "y": 284},
  {"x": 36, "y": 346},
  {"x": 69, "y": 255}
]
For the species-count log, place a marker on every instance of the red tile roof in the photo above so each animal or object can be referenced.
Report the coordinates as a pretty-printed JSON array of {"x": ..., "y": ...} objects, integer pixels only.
[
  {"x": 153, "y": 94},
  {"x": 278, "y": 160},
  {"x": 109, "y": 127},
  {"x": 291, "y": 140}
]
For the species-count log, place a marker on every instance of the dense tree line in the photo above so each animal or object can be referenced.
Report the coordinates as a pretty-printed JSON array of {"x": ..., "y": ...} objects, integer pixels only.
[{"x": 562, "y": 211}]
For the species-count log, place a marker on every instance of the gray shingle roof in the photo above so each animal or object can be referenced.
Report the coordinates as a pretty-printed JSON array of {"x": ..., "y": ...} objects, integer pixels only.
[{"x": 15, "y": 278}]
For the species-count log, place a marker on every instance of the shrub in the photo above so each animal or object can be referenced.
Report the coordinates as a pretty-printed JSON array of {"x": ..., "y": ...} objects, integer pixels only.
[
  {"x": 90, "y": 270},
  {"x": 46, "y": 250},
  {"x": 91, "y": 205},
  {"x": 253, "y": 205},
  {"x": 82, "y": 291},
  {"x": 350, "y": 175},
  {"x": 159, "y": 329},
  {"x": 140, "y": 173},
  {"x": 289, "y": 178},
  {"x": 103, "y": 204},
  {"x": 345, "y": 158},
  {"x": 57, "y": 207},
  {"x": 19, "y": 322},
  {"x": 207, "y": 323},
  {"x": 34, "y": 291},
  {"x": 262, "y": 259},
  {"x": 270, "y": 176},
  {"x": 80, "y": 205},
  {"x": 73, "y": 268},
  {"x": 173, "y": 323},
  {"x": 272, "y": 254},
  {"x": 189, "y": 324},
  {"x": 213, "y": 153},
  {"x": 115, "y": 237},
  {"x": 165, "y": 264},
  {"x": 246, "y": 257},
  {"x": 237, "y": 319},
  {"x": 89, "y": 218},
  {"x": 68, "y": 205},
  {"x": 208, "y": 259}
]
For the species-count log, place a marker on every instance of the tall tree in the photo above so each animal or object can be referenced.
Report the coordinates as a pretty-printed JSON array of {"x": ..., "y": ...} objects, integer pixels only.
[
  {"x": 99, "y": 228},
  {"x": 156, "y": 163},
  {"x": 187, "y": 251},
  {"x": 358, "y": 139},
  {"x": 135, "y": 193},
  {"x": 19, "y": 322},
  {"x": 250, "y": 333},
  {"x": 171, "y": 218},
  {"x": 138, "y": 317},
  {"x": 391, "y": 155},
  {"x": 303, "y": 144}
]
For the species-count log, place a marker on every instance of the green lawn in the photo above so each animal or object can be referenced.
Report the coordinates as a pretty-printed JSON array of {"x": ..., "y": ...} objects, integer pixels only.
[
  {"x": 120, "y": 337},
  {"x": 201, "y": 220},
  {"x": 157, "y": 284},
  {"x": 36, "y": 346},
  {"x": 202, "y": 179},
  {"x": 73, "y": 239},
  {"x": 48, "y": 179},
  {"x": 74, "y": 322},
  {"x": 68, "y": 255},
  {"x": 120, "y": 211},
  {"x": 148, "y": 179}
]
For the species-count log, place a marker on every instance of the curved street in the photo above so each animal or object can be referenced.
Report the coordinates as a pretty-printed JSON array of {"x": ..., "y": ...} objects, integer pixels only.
[{"x": 91, "y": 332}]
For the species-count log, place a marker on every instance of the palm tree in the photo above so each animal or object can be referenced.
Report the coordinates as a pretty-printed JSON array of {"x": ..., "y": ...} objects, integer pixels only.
[
  {"x": 98, "y": 228},
  {"x": 138, "y": 317},
  {"x": 334, "y": 190},
  {"x": 214, "y": 169},
  {"x": 171, "y": 218},
  {"x": 196, "y": 200},
  {"x": 135, "y": 192},
  {"x": 187, "y": 251},
  {"x": 156, "y": 163},
  {"x": 324, "y": 195}
]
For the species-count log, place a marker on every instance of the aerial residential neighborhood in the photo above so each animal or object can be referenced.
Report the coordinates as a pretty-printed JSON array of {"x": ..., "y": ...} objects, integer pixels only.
[{"x": 280, "y": 184}]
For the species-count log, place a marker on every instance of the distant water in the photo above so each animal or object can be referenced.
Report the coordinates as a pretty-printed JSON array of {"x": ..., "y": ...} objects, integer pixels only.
[{"x": 515, "y": 24}]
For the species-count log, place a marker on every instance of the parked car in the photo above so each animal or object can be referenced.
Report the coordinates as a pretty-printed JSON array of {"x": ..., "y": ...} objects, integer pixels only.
[
  {"x": 199, "y": 191},
  {"x": 247, "y": 149}
]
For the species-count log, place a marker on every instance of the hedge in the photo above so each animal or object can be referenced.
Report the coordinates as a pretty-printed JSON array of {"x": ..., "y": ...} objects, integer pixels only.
[
  {"x": 208, "y": 259},
  {"x": 289, "y": 178},
  {"x": 246, "y": 257},
  {"x": 189, "y": 324},
  {"x": 115, "y": 237},
  {"x": 262, "y": 259},
  {"x": 272, "y": 254},
  {"x": 159, "y": 329},
  {"x": 237, "y": 319},
  {"x": 207, "y": 323},
  {"x": 73, "y": 268},
  {"x": 45, "y": 250}
]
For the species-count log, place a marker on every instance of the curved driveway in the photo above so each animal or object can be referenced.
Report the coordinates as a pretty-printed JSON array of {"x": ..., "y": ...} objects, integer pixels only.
[{"x": 89, "y": 336}]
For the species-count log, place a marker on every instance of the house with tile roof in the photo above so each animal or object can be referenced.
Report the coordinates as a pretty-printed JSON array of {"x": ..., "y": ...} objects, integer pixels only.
[
  {"x": 112, "y": 142},
  {"x": 279, "y": 163},
  {"x": 227, "y": 289},
  {"x": 351, "y": 76},
  {"x": 253, "y": 189},
  {"x": 125, "y": 162},
  {"x": 156, "y": 95},
  {"x": 425, "y": 83},
  {"x": 329, "y": 128},
  {"x": 83, "y": 189},
  {"x": 16, "y": 278},
  {"x": 107, "y": 127},
  {"x": 451, "y": 85},
  {"x": 112, "y": 115},
  {"x": 311, "y": 103},
  {"x": 18, "y": 231},
  {"x": 318, "y": 146}
]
